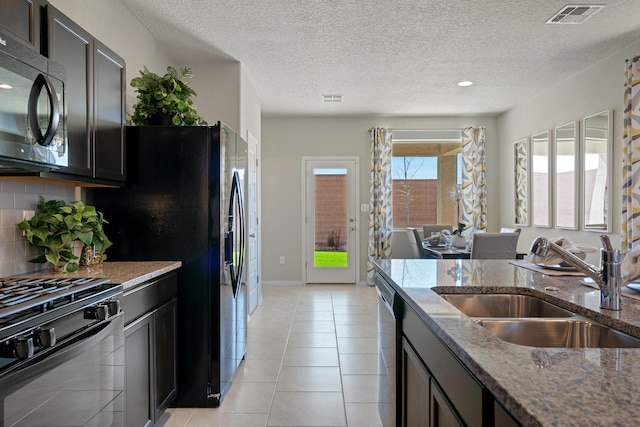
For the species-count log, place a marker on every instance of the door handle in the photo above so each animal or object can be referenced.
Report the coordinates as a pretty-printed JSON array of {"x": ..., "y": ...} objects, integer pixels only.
[{"x": 252, "y": 235}]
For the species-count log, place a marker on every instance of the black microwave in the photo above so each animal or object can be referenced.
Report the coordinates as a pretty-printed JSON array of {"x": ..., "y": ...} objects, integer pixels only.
[{"x": 32, "y": 110}]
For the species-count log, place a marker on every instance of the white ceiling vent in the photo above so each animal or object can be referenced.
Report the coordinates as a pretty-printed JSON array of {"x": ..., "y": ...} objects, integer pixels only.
[
  {"x": 575, "y": 13},
  {"x": 332, "y": 97}
]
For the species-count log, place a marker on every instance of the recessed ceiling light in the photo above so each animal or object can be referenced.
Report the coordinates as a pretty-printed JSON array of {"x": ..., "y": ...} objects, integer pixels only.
[
  {"x": 465, "y": 83},
  {"x": 4, "y": 85}
]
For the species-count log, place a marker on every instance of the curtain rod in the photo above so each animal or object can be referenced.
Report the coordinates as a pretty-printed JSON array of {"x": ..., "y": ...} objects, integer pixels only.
[{"x": 418, "y": 130}]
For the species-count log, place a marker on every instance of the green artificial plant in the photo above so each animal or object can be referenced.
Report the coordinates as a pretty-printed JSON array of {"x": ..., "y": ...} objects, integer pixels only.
[
  {"x": 56, "y": 226},
  {"x": 164, "y": 96},
  {"x": 458, "y": 231}
]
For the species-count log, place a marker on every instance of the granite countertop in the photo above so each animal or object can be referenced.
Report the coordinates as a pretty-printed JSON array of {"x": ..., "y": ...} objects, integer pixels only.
[
  {"x": 126, "y": 273},
  {"x": 539, "y": 386}
]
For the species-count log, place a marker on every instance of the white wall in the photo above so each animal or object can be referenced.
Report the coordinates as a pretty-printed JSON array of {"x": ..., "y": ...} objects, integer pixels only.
[
  {"x": 225, "y": 93},
  {"x": 250, "y": 108},
  {"x": 218, "y": 92},
  {"x": 597, "y": 88},
  {"x": 285, "y": 140}
]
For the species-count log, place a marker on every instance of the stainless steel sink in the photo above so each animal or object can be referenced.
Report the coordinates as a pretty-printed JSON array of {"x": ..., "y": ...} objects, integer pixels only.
[
  {"x": 504, "y": 305},
  {"x": 562, "y": 333}
]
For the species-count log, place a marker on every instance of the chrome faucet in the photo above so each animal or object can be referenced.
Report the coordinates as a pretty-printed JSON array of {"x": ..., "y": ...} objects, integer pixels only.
[{"x": 608, "y": 278}]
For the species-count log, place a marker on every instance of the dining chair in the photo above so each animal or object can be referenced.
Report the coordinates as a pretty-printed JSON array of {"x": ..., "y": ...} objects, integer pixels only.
[
  {"x": 416, "y": 242},
  {"x": 494, "y": 245},
  {"x": 510, "y": 230},
  {"x": 402, "y": 246}
]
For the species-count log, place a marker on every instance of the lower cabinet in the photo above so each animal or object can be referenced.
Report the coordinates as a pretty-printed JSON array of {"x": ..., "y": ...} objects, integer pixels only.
[
  {"x": 437, "y": 390},
  {"x": 138, "y": 371},
  {"x": 150, "y": 350},
  {"x": 424, "y": 403}
]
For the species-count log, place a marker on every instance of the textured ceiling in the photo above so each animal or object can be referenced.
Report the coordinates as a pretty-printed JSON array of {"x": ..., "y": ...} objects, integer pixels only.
[{"x": 390, "y": 57}]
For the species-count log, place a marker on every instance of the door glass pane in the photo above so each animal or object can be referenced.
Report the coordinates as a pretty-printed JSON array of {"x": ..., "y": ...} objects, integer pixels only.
[{"x": 331, "y": 222}]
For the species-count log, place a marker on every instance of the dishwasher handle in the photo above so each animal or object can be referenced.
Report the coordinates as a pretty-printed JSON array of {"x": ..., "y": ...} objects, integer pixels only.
[{"x": 386, "y": 294}]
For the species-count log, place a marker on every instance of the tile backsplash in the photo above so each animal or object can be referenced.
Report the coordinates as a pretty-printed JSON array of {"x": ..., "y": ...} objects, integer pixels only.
[{"x": 15, "y": 198}]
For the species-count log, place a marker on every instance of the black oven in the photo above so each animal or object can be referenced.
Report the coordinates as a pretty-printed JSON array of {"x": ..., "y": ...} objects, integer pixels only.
[
  {"x": 32, "y": 109},
  {"x": 61, "y": 353}
]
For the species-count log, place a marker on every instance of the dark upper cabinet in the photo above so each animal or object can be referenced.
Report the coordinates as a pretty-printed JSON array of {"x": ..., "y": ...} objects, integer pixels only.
[
  {"x": 21, "y": 18},
  {"x": 109, "y": 75},
  {"x": 95, "y": 93},
  {"x": 71, "y": 46}
]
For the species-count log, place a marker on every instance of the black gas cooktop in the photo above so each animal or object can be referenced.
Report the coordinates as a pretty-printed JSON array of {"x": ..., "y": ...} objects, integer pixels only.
[{"x": 25, "y": 301}]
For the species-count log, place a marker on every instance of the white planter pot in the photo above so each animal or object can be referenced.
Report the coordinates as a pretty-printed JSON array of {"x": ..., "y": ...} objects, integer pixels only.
[{"x": 459, "y": 242}]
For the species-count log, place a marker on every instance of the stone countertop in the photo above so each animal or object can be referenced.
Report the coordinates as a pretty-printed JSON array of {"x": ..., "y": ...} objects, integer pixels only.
[
  {"x": 538, "y": 386},
  {"x": 126, "y": 273}
]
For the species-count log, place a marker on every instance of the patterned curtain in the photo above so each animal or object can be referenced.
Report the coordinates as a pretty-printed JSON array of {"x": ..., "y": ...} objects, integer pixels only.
[
  {"x": 474, "y": 197},
  {"x": 379, "y": 198},
  {"x": 631, "y": 157}
]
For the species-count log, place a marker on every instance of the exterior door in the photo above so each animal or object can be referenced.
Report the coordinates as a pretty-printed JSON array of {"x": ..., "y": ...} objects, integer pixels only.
[{"x": 331, "y": 219}]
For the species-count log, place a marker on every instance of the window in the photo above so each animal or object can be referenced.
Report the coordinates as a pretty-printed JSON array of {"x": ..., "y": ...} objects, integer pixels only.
[{"x": 422, "y": 175}]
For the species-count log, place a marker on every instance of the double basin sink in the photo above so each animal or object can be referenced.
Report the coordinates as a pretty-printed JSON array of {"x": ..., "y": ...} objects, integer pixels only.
[{"x": 530, "y": 321}]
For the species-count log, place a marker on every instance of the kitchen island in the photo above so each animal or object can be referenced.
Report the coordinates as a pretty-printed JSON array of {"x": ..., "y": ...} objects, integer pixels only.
[{"x": 535, "y": 386}]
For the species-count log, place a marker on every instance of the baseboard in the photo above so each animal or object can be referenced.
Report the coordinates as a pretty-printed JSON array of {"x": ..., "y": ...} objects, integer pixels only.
[{"x": 282, "y": 282}]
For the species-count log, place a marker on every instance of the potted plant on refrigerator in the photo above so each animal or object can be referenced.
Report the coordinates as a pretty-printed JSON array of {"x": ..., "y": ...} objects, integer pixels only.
[{"x": 164, "y": 100}]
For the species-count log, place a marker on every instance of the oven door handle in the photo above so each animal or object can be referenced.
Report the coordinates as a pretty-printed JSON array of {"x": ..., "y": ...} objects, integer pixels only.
[{"x": 55, "y": 356}]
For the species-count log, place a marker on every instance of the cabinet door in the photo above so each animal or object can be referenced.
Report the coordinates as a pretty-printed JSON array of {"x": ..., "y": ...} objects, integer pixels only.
[
  {"x": 138, "y": 411},
  {"x": 415, "y": 389},
  {"x": 72, "y": 47},
  {"x": 502, "y": 417},
  {"x": 109, "y": 114},
  {"x": 441, "y": 413},
  {"x": 164, "y": 352},
  {"x": 21, "y": 19}
]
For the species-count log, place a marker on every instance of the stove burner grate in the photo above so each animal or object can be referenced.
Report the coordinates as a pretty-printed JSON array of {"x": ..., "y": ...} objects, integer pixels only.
[{"x": 18, "y": 295}]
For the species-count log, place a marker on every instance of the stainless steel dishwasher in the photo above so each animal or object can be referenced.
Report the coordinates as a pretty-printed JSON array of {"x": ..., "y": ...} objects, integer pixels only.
[{"x": 388, "y": 336}]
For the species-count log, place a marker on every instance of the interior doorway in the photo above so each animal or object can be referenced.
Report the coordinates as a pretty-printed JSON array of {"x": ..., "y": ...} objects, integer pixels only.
[{"x": 330, "y": 219}]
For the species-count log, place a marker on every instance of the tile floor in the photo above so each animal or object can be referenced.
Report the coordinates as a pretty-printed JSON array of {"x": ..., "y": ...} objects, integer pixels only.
[{"x": 312, "y": 360}]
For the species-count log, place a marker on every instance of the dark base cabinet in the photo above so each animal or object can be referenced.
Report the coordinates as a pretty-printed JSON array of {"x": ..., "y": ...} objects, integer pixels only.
[
  {"x": 150, "y": 347},
  {"x": 138, "y": 367},
  {"x": 437, "y": 389},
  {"x": 424, "y": 404},
  {"x": 448, "y": 394}
]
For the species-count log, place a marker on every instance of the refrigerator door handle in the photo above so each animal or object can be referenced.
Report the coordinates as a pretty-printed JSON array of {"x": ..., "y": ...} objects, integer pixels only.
[{"x": 236, "y": 256}]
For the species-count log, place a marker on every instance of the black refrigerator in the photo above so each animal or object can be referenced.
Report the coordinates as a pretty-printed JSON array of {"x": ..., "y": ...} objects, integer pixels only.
[{"x": 184, "y": 200}]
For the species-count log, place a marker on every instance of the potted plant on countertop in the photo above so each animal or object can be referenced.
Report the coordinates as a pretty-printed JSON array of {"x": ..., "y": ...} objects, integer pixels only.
[
  {"x": 57, "y": 226},
  {"x": 164, "y": 100}
]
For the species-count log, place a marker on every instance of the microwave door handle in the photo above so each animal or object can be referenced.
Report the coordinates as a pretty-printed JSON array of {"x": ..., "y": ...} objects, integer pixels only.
[{"x": 54, "y": 118}]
